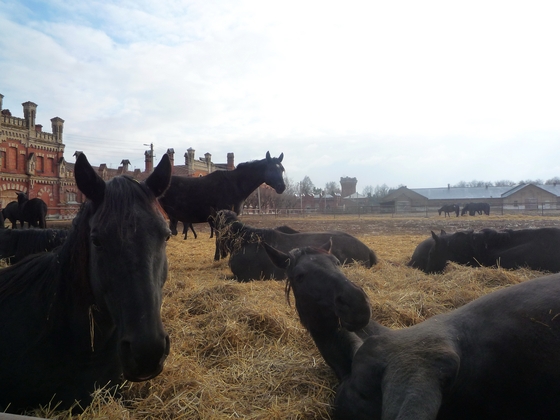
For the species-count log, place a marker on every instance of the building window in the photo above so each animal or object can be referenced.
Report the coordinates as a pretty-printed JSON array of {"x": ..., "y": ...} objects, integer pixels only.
[
  {"x": 12, "y": 158},
  {"x": 50, "y": 166},
  {"x": 70, "y": 197},
  {"x": 40, "y": 164}
]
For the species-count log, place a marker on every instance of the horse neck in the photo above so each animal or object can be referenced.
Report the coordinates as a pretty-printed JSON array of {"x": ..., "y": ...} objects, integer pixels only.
[{"x": 247, "y": 178}]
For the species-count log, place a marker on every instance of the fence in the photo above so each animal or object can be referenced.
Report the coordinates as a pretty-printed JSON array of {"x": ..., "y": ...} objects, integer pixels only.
[{"x": 399, "y": 210}]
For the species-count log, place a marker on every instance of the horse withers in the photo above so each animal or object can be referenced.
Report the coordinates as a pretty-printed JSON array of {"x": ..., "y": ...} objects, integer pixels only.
[
  {"x": 87, "y": 314},
  {"x": 495, "y": 358}
]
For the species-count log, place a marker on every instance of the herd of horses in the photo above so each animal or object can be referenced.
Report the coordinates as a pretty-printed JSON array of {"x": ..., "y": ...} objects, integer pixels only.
[
  {"x": 86, "y": 313},
  {"x": 471, "y": 208}
]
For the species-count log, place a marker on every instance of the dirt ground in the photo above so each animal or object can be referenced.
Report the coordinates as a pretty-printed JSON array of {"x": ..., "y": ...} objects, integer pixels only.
[{"x": 386, "y": 225}]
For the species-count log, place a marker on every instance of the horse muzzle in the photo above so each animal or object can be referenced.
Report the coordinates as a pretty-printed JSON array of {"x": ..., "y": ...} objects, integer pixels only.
[{"x": 142, "y": 360}]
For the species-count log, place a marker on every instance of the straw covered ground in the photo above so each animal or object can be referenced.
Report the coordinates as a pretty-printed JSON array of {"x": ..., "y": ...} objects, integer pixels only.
[{"x": 238, "y": 350}]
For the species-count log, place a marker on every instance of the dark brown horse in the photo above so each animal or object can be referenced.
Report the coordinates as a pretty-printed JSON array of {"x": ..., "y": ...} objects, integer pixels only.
[
  {"x": 495, "y": 358},
  {"x": 88, "y": 313},
  {"x": 248, "y": 260},
  {"x": 195, "y": 200},
  {"x": 537, "y": 249}
]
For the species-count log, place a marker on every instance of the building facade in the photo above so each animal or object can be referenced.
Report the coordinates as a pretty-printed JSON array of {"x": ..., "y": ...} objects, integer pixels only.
[{"x": 32, "y": 160}]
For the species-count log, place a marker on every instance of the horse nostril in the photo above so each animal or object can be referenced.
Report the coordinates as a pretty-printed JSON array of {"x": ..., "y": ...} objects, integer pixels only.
[{"x": 167, "y": 345}]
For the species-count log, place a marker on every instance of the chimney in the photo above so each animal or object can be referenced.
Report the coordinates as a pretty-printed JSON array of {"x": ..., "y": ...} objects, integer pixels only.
[
  {"x": 230, "y": 162},
  {"x": 189, "y": 161},
  {"x": 29, "y": 113},
  {"x": 1, "y": 98},
  {"x": 149, "y": 161},
  {"x": 208, "y": 160},
  {"x": 38, "y": 127},
  {"x": 125, "y": 163},
  {"x": 171, "y": 154},
  {"x": 57, "y": 126}
]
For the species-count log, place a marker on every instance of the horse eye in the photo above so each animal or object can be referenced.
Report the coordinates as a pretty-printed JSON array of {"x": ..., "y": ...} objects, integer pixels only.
[{"x": 95, "y": 241}]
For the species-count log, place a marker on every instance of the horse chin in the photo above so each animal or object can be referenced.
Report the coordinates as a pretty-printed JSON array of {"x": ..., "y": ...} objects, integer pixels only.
[
  {"x": 142, "y": 378},
  {"x": 354, "y": 325}
]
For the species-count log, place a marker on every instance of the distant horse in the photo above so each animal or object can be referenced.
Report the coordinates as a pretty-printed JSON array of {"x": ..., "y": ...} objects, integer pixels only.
[
  {"x": 33, "y": 211},
  {"x": 537, "y": 249},
  {"x": 495, "y": 358},
  {"x": 11, "y": 212},
  {"x": 474, "y": 208},
  {"x": 193, "y": 200},
  {"x": 249, "y": 261},
  {"x": 448, "y": 209},
  {"x": 16, "y": 244},
  {"x": 88, "y": 313}
]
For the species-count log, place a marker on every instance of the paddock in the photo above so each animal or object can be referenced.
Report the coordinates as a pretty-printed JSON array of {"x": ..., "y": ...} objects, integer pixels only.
[{"x": 238, "y": 349}]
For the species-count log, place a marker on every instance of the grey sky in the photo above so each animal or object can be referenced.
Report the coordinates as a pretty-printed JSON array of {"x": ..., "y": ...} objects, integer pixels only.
[{"x": 415, "y": 93}]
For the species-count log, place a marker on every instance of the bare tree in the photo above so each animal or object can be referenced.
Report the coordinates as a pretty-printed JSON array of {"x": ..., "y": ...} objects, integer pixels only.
[
  {"x": 368, "y": 191},
  {"x": 306, "y": 186},
  {"x": 332, "y": 188}
]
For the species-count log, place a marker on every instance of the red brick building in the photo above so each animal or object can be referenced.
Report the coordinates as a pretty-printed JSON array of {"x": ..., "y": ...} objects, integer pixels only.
[{"x": 32, "y": 161}]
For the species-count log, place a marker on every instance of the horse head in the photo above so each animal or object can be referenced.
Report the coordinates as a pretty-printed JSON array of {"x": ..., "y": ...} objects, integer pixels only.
[
  {"x": 128, "y": 263},
  {"x": 274, "y": 173},
  {"x": 325, "y": 298}
]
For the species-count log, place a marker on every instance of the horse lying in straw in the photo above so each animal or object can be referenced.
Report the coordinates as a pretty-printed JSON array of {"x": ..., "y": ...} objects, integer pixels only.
[
  {"x": 495, "y": 358},
  {"x": 249, "y": 261},
  {"x": 537, "y": 249}
]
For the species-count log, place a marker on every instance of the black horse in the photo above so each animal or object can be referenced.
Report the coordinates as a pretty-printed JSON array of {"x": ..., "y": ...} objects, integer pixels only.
[
  {"x": 448, "y": 209},
  {"x": 11, "y": 212},
  {"x": 15, "y": 244},
  {"x": 249, "y": 261},
  {"x": 421, "y": 254},
  {"x": 537, "y": 249},
  {"x": 474, "y": 208},
  {"x": 194, "y": 200},
  {"x": 88, "y": 313},
  {"x": 495, "y": 358},
  {"x": 33, "y": 211}
]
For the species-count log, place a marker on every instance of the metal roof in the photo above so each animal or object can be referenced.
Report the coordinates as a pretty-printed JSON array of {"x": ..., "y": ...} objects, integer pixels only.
[{"x": 470, "y": 193}]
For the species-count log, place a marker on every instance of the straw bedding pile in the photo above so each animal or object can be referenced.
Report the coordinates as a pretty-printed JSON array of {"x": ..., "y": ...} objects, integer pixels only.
[{"x": 239, "y": 351}]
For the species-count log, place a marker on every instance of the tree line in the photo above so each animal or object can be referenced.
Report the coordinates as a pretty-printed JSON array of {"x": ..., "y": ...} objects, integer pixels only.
[{"x": 294, "y": 190}]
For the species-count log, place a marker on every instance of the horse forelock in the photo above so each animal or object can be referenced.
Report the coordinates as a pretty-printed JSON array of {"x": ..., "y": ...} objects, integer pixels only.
[
  {"x": 121, "y": 195},
  {"x": 296, "y": 254}
]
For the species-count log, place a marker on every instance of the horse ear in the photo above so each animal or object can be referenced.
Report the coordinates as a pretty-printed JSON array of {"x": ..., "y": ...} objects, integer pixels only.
[
  {"x": 443, "y": 232},
  {"x": 434, "y": 236},
  {"x": 327, "y": 246},
  {"x": 281, "y": 157},
  {"x": 87, "y": 180},
  {"x": 278, "y": 258},
  {"x": 268, "y": 156},
  {"x": 159, "y": 180}
]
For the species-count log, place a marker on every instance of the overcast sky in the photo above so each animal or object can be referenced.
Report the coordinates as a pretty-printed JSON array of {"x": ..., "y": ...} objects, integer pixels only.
[{"x": 415, "y": 93}]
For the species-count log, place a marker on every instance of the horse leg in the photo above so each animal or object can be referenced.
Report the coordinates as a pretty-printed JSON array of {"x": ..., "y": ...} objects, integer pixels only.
[{"x": 192, "y": 228}]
